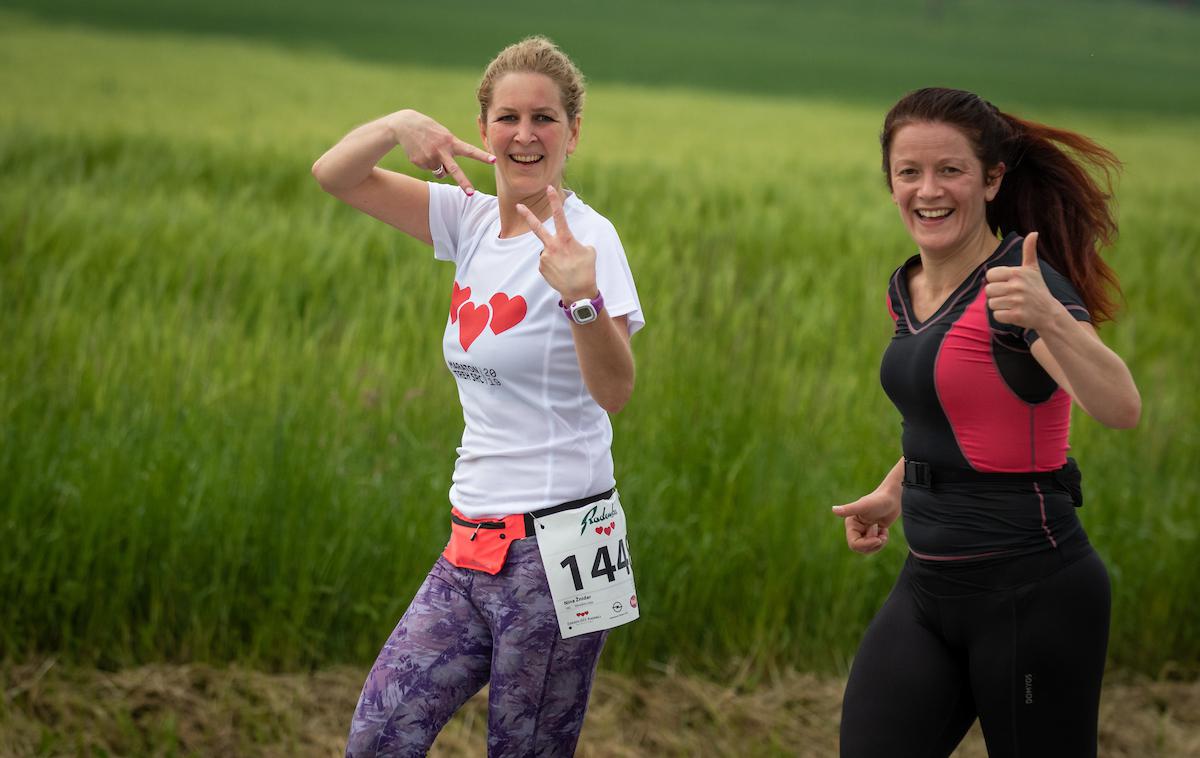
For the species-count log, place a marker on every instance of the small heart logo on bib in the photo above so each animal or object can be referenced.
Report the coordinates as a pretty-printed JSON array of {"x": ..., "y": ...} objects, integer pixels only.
[
  {"x": 608, "y": 530},
  {"x": 457, "y": 298},
  {"x": 471, "y": 321},
  {"x": 599, "y": 530},
  {"x": 506, "y": 312}
]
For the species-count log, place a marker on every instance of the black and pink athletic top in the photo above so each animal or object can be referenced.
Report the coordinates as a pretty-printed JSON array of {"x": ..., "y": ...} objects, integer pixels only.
[{"x": 972, "y": 396}]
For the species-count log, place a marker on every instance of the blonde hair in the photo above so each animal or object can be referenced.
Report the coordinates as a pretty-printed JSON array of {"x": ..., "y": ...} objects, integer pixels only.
[{"x": 536, "y": 55}]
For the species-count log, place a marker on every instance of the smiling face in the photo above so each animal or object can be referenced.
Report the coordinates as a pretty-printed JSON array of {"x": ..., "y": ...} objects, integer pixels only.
[
  {"x": 526, "y": 127},
  {"x": 941, "y": 188}
]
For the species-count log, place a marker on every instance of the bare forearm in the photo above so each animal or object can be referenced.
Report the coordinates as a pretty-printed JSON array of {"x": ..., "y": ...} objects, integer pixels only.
[
  {"x": 605, "y": 360},
  {"x": 890, "y": 492},
  {"x": 1094, "y": 375},
  {"x": 349, "y": 163},
  {"x": 893, "y": 481}
]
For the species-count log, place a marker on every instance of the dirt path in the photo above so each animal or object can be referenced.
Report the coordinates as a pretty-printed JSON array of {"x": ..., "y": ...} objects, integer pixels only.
[{"x": 48, "y": 709}]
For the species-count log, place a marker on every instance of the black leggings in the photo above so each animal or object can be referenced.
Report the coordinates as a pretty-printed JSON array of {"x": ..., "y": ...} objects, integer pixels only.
[{"x": 1020, "y": 643}]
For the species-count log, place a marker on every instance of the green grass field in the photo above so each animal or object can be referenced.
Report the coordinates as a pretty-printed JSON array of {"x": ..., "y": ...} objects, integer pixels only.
[
  {"x": 226, "y": 432},
  {"x": 1095, "y": 55}
]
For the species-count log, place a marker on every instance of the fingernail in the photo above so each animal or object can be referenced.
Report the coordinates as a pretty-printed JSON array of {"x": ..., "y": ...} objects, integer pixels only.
[
  {"x": 491, "y": 159},
  {"x": 470, "y": 192}
]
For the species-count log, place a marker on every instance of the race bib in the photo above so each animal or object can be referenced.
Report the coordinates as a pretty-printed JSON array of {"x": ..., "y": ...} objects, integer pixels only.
[{"x": 586, "y": 555}]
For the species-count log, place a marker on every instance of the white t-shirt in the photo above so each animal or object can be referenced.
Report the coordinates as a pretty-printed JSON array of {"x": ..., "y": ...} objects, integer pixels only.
[{"x": 534, "y": 436}]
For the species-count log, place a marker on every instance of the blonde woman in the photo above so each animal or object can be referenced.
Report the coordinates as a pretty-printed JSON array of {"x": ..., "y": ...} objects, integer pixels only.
[{"x": 538, "y": 340}]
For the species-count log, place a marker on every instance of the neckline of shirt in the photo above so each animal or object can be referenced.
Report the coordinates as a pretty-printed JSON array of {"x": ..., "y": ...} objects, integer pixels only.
[
  {"x": 968, "y": 282},
  {"x": 571, "y": 202}
]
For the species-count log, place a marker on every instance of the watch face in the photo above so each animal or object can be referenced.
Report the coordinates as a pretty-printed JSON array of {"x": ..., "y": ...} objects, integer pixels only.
[{"x": 583, "y": 313}]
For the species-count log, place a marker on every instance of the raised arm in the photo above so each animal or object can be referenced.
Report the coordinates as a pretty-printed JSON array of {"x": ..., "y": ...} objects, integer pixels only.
[
  {"x": 567, "y": 265},
  {"x": 348, "y": 170},
  {"x": 1070, "y": 351}
]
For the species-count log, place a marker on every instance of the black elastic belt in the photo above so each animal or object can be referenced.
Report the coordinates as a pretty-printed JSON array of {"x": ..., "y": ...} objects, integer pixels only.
[
  {"x": 529, "y": 517},
  {"x": 927, "y": 476}
]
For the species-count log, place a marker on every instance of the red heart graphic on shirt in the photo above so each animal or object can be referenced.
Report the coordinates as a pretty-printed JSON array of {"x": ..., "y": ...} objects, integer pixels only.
[
  {"x": 506, "y": 312},
  {"x": 607, "y": 530},
  {"x": 599, "y": 530},
  {"x": 471, "y": 321},
  {"x": 457, "y": 298},
  {"x": 612, "y": 524}
]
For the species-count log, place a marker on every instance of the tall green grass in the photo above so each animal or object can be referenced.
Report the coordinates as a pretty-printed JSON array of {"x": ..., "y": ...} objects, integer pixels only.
[
  {"x": 1095, "y": 55},
  {"x": 226, "y": 431}
]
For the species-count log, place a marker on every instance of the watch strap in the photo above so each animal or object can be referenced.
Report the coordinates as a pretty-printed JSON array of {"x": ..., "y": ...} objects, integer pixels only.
[{"x": 596, "y": 302}]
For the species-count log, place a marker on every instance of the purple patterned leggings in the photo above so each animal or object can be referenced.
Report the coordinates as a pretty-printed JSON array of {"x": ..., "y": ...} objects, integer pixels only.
[{"x": 463, "y": 629}]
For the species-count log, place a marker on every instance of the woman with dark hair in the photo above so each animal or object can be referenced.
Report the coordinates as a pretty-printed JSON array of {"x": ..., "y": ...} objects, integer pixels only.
[
  {"x": 1001, "y": 611},
  {"x": 537, "y": 338}
]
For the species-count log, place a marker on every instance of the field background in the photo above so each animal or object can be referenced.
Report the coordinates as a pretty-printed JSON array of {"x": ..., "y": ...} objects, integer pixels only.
[{"x": 226, "y": 432}]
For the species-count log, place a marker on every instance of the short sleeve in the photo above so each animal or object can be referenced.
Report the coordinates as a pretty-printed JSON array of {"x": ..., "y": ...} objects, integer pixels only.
[
  {"x": 615, "y": 279},
  {"x": 447, "y": 206},
  {"x": 892, "y": 298}
]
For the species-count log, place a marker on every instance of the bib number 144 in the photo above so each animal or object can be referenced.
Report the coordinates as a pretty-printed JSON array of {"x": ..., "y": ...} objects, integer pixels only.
[
  {"x": 602, "y": 565},
  {"x": 588, "y": 567}
]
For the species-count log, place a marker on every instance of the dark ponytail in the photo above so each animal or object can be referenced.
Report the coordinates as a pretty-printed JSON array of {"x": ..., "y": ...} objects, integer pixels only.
[{"x": 1046, "y": 188}]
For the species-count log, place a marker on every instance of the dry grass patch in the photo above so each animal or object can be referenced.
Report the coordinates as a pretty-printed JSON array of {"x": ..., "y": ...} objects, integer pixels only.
[{"x": 52, "y": 710}]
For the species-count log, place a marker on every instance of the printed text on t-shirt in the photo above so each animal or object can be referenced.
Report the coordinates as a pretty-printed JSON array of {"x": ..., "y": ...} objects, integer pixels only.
[{"x": 474, "y": 373}]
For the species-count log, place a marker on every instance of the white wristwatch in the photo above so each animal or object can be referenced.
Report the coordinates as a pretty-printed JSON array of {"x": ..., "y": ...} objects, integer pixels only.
[{"x": 584, "y": 311}]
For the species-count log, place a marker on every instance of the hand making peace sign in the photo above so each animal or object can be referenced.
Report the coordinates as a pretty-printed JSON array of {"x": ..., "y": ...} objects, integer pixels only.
[
  {"x": 566, "y": 264},
  {"x": 1018, "y": 294},
  {"x": 432, "y": 146}
]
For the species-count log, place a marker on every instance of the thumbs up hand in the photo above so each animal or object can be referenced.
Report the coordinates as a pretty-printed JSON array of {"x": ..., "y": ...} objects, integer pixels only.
[{"x": 1018, "y": 294}]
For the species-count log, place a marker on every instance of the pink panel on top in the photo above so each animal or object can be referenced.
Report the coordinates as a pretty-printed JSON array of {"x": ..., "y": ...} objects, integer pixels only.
[{"x": 995, "y": 429}]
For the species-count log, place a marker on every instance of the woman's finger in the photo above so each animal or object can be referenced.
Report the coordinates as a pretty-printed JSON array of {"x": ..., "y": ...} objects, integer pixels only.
[
  {"x": 1000, "y": 273},
  {"x": 560, "y": 219},
  {"x": 863, "y": 537},
  {"x": 867, "y": 545},
  {"x": 856, "y": 531},
  {"x": 998, "y": 289},
  {"x": 456, "y": 172},
  {"x": 1005, "y": 317},
  {"x": 1003, "y": 303},
  {"x": 429, "y": 162},
  {"x": 853, "y": 530},
  {"x": 535, "y": 226},
  {"x": 470, "y": 151},
  {"x": 1029, "y": 256}
]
